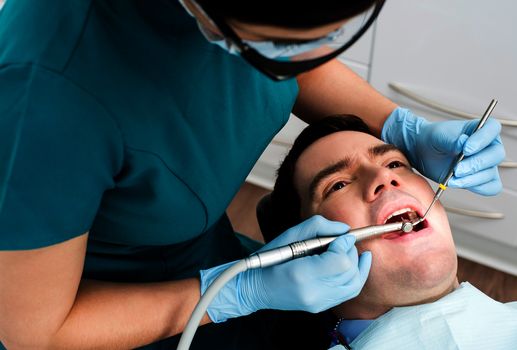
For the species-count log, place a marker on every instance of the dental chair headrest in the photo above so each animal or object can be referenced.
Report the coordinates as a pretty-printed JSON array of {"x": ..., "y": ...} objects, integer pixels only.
[{"x": 269, "y": 219}]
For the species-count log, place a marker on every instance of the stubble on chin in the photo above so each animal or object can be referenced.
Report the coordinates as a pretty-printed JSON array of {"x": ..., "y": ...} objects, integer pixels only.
[{"x": 424, "y": 281}]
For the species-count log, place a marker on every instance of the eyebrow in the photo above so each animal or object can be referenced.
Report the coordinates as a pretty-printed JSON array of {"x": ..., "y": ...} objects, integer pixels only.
[
  {"x": 343, "y": 164},
  {"x": 326, "y": 172},
  {"x": 379, "y": 150}
]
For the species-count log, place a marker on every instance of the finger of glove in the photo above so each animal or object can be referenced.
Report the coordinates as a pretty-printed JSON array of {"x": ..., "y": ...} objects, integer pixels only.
[
  {"x": 448, "y": 140},
  {"x": 491, "y": 188},
  {"x": 345, "y": 246},
  {"x": 489, "y": 133},
  {"x": 477, "y": 179},
  {"x": 485, "y": 159},
  {"x": 364, "y": 266},
  {"x": 315, "y": 226},
  {"x": 351, "y": 288},
  {"x": 340, "y": 259},
  {"x": 341, "y": 288},
  {"x": 365, "y": 263}
]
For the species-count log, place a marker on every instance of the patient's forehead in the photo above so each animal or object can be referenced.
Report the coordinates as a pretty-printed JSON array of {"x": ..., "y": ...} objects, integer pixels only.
[{"x": 331, "y": 148}]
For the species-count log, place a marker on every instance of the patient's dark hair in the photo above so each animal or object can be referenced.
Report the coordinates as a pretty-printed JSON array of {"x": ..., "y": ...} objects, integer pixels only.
[{"x": 283, "y": 206}]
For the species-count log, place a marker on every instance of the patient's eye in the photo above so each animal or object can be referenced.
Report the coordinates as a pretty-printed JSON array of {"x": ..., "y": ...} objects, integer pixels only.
[
  {"x": 396, "y": 164},
  {"x": 336, "y": 187}
]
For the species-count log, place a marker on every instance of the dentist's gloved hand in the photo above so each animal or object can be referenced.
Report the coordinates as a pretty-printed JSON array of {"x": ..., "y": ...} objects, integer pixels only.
[
  {"x": 432, "y": 147},
  {"x": 312, "y": 283}
]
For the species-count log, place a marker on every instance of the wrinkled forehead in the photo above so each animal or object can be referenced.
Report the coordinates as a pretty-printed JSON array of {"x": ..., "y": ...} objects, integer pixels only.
[{"x": 331, "y": 149}]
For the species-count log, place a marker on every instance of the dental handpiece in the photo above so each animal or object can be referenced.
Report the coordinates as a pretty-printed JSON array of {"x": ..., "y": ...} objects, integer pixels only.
[
  {"x": 314, "y": 245},
  {"x": 443, "y": 185}
]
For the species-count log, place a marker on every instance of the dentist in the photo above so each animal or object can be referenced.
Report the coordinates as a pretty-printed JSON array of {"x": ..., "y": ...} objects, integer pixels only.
[{"x": 126, "y": 128}]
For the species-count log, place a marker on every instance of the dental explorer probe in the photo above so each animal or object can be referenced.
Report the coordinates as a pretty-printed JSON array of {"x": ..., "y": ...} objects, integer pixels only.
[
  {"x": 443, "y": 186},
  {"x": 276, "y": 256}
]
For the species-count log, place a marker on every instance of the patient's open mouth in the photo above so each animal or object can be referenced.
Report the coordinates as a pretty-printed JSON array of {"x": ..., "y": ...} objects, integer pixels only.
[{"x": 404, "y": 215}]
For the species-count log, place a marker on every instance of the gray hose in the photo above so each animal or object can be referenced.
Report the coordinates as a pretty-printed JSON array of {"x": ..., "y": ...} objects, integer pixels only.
[{"x": 206, "y": 299}]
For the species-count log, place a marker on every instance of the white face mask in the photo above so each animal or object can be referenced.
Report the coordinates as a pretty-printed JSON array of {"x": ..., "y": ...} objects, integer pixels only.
[
  {"x": 268, "y": 49},
  {"x": 210, "y": 36}
]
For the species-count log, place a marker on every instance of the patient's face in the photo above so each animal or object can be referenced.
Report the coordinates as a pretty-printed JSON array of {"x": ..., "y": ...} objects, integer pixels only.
[{"x": 355, "y": 178}]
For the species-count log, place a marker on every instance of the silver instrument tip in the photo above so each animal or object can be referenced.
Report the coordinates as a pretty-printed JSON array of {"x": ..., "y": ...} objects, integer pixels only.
[{"x": 408, "y": 227}]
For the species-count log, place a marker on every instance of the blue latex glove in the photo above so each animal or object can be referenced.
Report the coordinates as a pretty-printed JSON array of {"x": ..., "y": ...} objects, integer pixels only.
[
  {"x": 431, "y": 147},
  {"x": 312, "y": 283}
]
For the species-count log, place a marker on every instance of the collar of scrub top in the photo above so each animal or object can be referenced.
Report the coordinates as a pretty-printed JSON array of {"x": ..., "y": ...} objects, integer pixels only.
[{"x": 283, "y": 69}]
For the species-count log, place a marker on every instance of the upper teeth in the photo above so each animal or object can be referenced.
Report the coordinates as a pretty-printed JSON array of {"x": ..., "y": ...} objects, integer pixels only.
[{"x": 398, "y": 212}]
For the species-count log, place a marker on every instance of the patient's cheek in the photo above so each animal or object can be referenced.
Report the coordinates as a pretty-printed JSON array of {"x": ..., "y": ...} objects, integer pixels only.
[{"x": 344, "y": 213}]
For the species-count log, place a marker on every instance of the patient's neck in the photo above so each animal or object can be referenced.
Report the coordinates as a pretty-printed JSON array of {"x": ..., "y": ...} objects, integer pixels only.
[
  {"x": 357, "y": 309},
  {"x": 362, "y": 308}
]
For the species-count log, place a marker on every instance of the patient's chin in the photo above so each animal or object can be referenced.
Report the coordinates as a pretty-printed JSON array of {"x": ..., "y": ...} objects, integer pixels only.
[
  {"x": 409, "y": 282},
  {"x": 425, "y": 281}
]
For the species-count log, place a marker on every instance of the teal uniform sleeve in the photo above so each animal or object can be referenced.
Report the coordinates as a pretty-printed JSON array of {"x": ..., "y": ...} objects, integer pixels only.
[{"x": 59, "y": 152}]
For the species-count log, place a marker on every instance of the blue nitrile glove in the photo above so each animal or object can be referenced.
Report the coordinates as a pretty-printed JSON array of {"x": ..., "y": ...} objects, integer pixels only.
[
  {"x": 431, "y": 147},
  {"x": 312, "y": 283}
]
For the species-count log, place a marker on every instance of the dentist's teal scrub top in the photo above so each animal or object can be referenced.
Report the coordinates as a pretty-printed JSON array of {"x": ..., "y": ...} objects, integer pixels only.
[{"x": 117, "y": 117}]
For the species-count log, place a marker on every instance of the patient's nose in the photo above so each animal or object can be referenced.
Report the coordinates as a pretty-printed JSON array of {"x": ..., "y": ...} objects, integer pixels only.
[{"x": 381, "y": 179}]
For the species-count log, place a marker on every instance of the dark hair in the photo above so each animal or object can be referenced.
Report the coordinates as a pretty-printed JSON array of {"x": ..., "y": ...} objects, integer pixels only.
[
  {"x": 283, "y": 205},
  {"x": 287, "y": 13}
]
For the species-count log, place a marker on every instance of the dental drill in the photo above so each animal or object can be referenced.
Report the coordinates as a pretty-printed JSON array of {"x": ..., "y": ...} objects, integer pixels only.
[{"x": 316, "y": 245}]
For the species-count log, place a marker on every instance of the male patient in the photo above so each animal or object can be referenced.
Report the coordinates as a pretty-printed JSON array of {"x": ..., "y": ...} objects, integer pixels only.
[{"x": 412, "y": 299}]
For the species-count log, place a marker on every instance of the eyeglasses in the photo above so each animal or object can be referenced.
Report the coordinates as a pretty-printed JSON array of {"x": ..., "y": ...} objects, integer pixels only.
[{"x": 298, "y": 58}]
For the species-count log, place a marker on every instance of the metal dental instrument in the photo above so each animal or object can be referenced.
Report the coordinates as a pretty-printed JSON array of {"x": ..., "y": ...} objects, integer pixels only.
[
  {"x": 315, "y": 245},
  {"x": 443, "y": 186}
]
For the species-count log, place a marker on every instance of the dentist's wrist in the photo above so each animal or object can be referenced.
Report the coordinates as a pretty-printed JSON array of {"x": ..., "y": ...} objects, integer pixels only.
[{"x": 232, "y": 300}]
